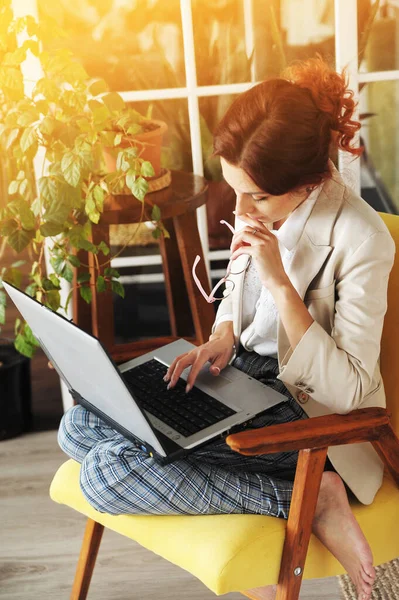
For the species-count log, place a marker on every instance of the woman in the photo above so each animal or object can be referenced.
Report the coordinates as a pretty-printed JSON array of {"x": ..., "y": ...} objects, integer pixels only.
[{"x": 311, "y": 262}]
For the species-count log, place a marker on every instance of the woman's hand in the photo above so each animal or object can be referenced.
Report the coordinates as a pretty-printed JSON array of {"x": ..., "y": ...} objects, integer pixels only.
[
  {"x": 262, "y": 246},
  {"x": 218, "y": 350}
]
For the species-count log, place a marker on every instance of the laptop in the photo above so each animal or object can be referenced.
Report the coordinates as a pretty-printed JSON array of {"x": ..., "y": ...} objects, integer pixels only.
[{"x": 133, "y": 398}]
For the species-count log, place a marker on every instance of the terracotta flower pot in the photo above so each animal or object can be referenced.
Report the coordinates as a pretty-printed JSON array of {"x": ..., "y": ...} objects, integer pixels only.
[{"x": 151, "y": 151}]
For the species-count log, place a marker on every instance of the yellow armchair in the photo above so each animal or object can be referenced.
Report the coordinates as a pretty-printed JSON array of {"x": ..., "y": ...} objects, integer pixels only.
[{"x": 237, "y": 552}]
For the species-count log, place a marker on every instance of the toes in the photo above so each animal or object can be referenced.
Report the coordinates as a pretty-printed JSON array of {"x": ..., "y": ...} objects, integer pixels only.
[
  {"x": 368, "y": 574},
  {"x": 365, "y": 592}
]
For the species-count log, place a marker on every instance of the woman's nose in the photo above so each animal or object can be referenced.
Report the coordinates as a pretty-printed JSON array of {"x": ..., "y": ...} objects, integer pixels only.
[{"x": 243, "y": 204}]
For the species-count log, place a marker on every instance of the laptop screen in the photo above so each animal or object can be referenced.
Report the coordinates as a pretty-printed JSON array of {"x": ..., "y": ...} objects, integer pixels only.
[{"x": 84, "y": 365}]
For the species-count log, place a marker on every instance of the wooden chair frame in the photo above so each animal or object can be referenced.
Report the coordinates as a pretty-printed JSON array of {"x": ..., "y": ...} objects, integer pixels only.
[{"x": 311, "y": 438}]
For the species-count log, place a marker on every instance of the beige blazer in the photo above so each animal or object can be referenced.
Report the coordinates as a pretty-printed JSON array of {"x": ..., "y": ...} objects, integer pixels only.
[{"x": 340, "y": 269}]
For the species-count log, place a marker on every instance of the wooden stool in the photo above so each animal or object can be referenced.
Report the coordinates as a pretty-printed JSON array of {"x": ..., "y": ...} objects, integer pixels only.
[{"x": 178, "y": 204}]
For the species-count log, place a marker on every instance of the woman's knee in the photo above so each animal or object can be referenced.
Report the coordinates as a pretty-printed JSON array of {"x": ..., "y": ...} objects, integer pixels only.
[
  {"x": 69, "y": 431},
  {"x": 108, "y": 478}
]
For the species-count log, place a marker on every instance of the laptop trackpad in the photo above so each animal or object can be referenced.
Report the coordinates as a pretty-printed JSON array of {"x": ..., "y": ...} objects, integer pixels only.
[{"x": 216, "y": 382}]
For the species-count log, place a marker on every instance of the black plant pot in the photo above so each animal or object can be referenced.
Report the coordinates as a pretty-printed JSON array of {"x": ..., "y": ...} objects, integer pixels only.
[{"x": 15, "y": 391}]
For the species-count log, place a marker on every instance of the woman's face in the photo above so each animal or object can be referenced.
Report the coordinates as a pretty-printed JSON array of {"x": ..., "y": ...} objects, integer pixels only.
[{"x": 257, "y": 203}]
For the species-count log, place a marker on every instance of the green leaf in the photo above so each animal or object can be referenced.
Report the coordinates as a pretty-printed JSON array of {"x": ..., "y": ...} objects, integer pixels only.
[
  {"x": 20, "y": 239},
  {"x": 111, "y": 272},
  {"x": 18, "y": 263},
  {"x": 48, "y": 188},
  {"x": 28, "y": 138},
  {"x": 133, "y": 129},
  {"x": 74, "y": 260},
  {"x": 28, "y": 117},
  {"x": 53, "y": 299},
  {"x": 12, "y": 136},
  {"x": 102, "y": 246},
  {"x": 147, "y": 170},
  {"x": 67, "y": 273},
  {"x": 100, "y": 115},
  {"x": 99, "y": 195},
  {"x": 86, "y": 293},
  {"x": 23, "y": 186},
  {"x": 118, "y": 139},
  {"x": 107, "y": 138},
  {"x": 130, "y": 179},
  {"x": 31, "y": 290},
  {"x": 84, "y": 278},
  {"x": 101, "y": 284},
  {"x": 17, "y": 325},
  {"x": 58, "y": 263},
  {"x": 114, "y": 102},
  {"x": 98, "y": 87},
  {"x": 3, "y": 303},
  {"x": 87, "y": 245},
  {"x": 50, "y": 228},
  {"x": 30, "y": 338},
  {"x": 8, "y": 227},
  {"x": 48, "y": 284},
  {"x": 21, "y": 210},
  {"x": 118, "y": 288},
  {"x": 155, "y": 213},
  {"x": 71, "y": 168},
  {"x": 23, "y": 346},
  {"x": 47, "y": 126},
  {"x": 140, "y": 188},
  {"x": 121, "y": 163},
  {"x": 13, "y": 187},
  {"x": 55, "y": 280}
]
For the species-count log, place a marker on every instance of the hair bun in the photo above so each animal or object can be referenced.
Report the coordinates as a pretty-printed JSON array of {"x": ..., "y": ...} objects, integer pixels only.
[{"x": 330, "y": 93}]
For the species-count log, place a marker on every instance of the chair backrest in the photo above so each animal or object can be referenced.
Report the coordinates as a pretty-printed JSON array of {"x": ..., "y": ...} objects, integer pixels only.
[{"x": 390, "y": 334}]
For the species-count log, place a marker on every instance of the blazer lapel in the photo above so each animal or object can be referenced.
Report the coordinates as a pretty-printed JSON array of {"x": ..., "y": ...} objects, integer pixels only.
[{"x": 314, "y": 247}]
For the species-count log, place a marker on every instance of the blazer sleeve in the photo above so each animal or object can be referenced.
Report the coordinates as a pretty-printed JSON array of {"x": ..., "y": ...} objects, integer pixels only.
[{"x": 338, "y": 368}]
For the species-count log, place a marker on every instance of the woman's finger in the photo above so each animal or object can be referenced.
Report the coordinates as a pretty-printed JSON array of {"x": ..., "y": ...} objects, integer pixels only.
[
  {"x": 220, "y": 362},
  {"x": 181, "y": 364},
  {"x": 173, "y": 366},
  {"x": 202, "y": 358}
]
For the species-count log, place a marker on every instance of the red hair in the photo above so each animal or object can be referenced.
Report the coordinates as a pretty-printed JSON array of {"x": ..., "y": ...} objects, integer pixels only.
[{"x": 280, "y": 131}]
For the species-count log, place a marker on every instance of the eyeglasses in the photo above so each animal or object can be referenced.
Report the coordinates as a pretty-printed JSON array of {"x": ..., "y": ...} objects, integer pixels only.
[{"x": 225, "y": 280}]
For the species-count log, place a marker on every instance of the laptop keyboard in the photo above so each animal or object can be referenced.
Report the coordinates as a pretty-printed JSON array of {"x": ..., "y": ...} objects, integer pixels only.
[{"x": 187, "y": 413}]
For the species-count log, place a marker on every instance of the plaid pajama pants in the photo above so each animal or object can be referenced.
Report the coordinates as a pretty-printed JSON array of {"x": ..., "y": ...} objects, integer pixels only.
[{"x": 117, "y": 478}]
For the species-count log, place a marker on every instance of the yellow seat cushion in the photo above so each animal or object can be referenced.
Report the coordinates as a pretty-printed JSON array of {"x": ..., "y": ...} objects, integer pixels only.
[{"x": 229, "y": 553}]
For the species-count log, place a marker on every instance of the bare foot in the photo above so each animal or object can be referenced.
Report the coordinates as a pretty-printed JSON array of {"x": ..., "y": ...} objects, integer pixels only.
[
  {"x": 261, "y": 593},
  {"x": 335, "y": 525}
]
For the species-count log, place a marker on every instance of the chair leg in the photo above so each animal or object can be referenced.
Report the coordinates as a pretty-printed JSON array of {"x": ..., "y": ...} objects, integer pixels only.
[
  {"x": 299, "y": 526},
  {"x": 87, "y": 559},
  {"x": 387, "y": 446}
]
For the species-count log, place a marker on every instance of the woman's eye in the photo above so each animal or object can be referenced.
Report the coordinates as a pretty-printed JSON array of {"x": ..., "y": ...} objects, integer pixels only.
[{"x": 261, "y": 199}]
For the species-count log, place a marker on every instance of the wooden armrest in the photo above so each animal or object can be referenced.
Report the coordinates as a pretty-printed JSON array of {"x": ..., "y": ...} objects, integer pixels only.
[{"x": 362, "y": 425}]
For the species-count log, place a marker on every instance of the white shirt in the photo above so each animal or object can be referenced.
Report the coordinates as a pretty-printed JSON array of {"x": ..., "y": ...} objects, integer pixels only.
[{"x": 260, "y": 315}]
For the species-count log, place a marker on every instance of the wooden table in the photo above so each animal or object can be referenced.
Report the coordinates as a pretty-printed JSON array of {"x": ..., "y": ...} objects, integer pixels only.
[{"x": 178, "y": 204}]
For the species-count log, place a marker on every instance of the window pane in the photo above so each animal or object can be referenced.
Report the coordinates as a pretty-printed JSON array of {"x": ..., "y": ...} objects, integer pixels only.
[
  {"x": 219, "y": 39},
  {"x": 132, "y": 44},
  {"x": 288, "y": 30},
  {"x": 380, "y": 138},
  {"x": 378, "y": 25}
]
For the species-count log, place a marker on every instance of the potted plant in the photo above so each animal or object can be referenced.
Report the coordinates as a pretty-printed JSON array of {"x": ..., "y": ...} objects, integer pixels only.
[{"x": 73, "y": 120}]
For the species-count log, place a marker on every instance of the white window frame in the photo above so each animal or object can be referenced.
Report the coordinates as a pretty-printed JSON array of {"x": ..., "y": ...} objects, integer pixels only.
[{"x": 346, "y": 56}]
